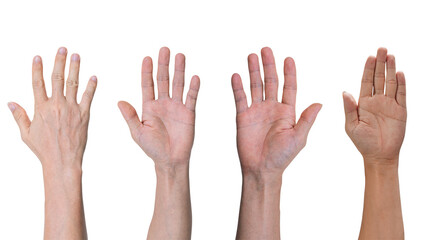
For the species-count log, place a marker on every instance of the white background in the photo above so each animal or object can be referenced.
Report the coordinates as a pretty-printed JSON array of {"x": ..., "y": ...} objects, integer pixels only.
[{"x": 322, "y": 193}]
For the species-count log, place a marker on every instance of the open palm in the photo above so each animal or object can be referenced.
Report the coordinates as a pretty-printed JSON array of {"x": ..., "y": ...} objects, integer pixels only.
[
  {"x": 268, "y": 137},
  {"x": 377, "y": 125},
  {"x": 166, "y": 132}
]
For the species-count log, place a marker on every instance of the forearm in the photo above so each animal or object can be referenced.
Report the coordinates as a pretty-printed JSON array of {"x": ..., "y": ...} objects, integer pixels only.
[
  {"x": 172, "y": 213},
  {"x": 382, "y": 214},
  {"x": 64, "y": 211},
  {"x": 259, "y": 216}
]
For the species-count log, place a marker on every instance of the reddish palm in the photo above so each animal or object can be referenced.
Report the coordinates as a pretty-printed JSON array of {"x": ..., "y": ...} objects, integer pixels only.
[
  {"x": 268, "y": 137},
  {"x": 377, "y": 125},
  {"x": 166, "y": 132}
]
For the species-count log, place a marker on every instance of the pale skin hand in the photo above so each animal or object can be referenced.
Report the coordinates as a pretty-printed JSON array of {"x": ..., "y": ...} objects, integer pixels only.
[
  {"x": 58, "y": 135},
  {"x": 377, "y": 128},
  {"x": 166, "y": 135},
  {"x": 268, "y": 139}
]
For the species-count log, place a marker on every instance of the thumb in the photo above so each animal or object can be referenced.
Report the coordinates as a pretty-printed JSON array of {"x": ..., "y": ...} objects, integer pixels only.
[
  {"x": 351, "y": 114},
  {"x": 21, "y": 118},
  {"x": 306, "y": 120},
  {"x": 130, "y": 115}
]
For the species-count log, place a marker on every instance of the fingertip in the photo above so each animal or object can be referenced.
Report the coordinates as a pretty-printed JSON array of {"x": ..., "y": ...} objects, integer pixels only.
[
  {"x": 289, "y": 60},
  {"x": 123, "y": 105},
  {"x": 75, "y": 57},
  {"x": 62, "y": 51},
  {"x": 316, "y": 108},
  {"x": 289, "y": 66},
  {"x": 195, "y": 82},
  {"x": 11, "y": 106},
  {"x": 252, "y": 56},
  {"x": 266, "y": 50},
  {"x": 179, "y": 56},
  {"x": 371, "y": 60},
  {"x": 382, "y": 50},
  {"x": 381, "y": 54},
  {"x": 94, "y": 79},
  {"x": 235, "y": 79},
  {"x": 401, "y": 78},
  {"x": 147, "y": 64},
  {"x": 195, "y": 78},
  {"x": 37, "y": 59},
  {"x": 345, "y": 94},
  {"x": 164, "y": 50}
]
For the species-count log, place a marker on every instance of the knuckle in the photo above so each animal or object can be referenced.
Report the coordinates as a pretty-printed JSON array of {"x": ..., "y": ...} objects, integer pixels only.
[
  {"x": 367, "y": 80},
  {"x": 147, "y": 84},
  {"x": 72, "y": 82},
  {"x": 85, "y": 113},
  {"x": 19, "y": 116},
  {"x": 271, "y": 80},
  {"x": 302, "y": 143},
  {"x": 391, "y": 81},
  {"x": 88, "y": 95},
  {"x": 57, "y": 77},
  {"x": 38, "y": 83},
  {"x": 179, "y": 84},
  {"x": 192, "y": 96},
  {"x": 24, "y": 137},
  {"x": 256, "y": 85},
  {"x": 379, "y": 74},
  {"x": 235, "y": 90},
  {"x": 163, "y": 78},
  {"x": 290, "y": 87}
]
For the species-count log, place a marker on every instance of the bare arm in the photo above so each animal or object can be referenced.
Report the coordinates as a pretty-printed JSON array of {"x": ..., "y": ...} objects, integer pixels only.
[
  {"x": 58, "y": 135},
  {"x": 166, "y": 134},
  {"x": 268, "y": 139},
  {"x": 377, "y": 127}
]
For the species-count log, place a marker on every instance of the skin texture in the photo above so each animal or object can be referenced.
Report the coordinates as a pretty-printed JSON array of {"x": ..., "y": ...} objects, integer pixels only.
[
  {"x": 377, "y": 128},
  {"x": 268, "y": 139},
  {"x": 58, "y": 136},
  {"x": 166, "y": 134}
]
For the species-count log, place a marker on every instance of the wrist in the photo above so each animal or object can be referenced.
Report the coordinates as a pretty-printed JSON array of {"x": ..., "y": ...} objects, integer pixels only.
[
  {"x": 58, "y": 172},
  {"x": 379, "y": 170},
  {"x": 62, "y": 176},
  {"x": 381, "y": 162},
  {"x": 262, "y": 181},
  {"x": 172, "y": 170}
]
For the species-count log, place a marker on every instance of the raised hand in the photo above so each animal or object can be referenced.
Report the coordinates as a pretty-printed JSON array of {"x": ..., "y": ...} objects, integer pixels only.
[
  {"x": 377, "y": 128},
  {"x": 166, "y": 134},
  {"x": 58, "y": 135},
  {"x": 268, "y": 137},
  {"x": 58, "y": 132},
  {"x": 166, "y": 131},
  {"x": 377, "y": 125}
]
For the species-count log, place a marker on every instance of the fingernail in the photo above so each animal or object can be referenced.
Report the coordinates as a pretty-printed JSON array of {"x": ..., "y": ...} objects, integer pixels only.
[
  {"x": 11, "y": 106},
  {"x": 75, "y": 57},
  {"x": 62, "y": 50},
  {"x": 37, "y": 59},
  {"x": 94, "y": 78}
]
